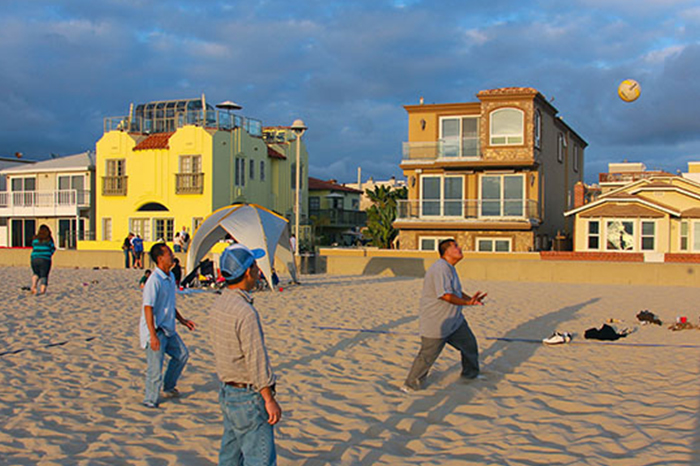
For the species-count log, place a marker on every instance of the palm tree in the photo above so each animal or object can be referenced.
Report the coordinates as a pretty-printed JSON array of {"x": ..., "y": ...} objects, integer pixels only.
[{"x": 380, "y": 217}]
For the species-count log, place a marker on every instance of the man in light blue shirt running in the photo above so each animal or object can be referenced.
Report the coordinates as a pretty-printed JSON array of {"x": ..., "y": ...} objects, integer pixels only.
[{"x": 157, "y": 328}]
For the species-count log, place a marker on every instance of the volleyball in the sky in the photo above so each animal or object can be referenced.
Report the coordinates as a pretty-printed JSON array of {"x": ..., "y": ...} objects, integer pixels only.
[{"x": 629, "y": 90}]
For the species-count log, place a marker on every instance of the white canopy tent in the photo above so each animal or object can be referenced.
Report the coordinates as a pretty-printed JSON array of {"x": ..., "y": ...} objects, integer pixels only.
[{"x": 251, "y": 225}]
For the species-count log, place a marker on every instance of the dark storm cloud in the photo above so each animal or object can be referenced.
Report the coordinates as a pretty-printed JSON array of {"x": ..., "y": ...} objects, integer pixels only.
[{"x": 347, "y": 68}]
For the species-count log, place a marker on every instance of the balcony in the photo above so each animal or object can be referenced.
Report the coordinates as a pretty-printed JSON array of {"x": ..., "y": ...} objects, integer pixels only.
[
  {"x": 443, "y": 149},
  {"x": 338, "y": 217},
  {"x": 189, "y": 183},
  {"x": 64, "y": 202},
  {"x": 499, "y": 210},
  {"x": 114, "y": 185}
]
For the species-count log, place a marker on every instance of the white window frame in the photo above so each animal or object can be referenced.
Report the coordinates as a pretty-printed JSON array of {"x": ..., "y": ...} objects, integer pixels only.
[
  {"x": 502, "y": 200},
  {"x": 461, "y": 134},
  {"x": 642, "y": 221},
  {"x": 106, "y": 228},
  {"x": 442, "y": 196},
  {"x": 143, "y": 229},
  {"x": 599, "y": 235},
  {"x": 168, "y": 238},
  {"x": 637, "y": 224},
  {"x": 188, "y": 163},
  {"x": 437, "y": 240},
  {"x": 493, "y": 240},
  {"x": 693, "y": 230},
  {"x": 561, "y": 147},
  {"x": 507, "y": 136},
  {"x": 196, "y": 223},
  {"x": 538, "y": 129},
  {"x": 687, "y": 236}
]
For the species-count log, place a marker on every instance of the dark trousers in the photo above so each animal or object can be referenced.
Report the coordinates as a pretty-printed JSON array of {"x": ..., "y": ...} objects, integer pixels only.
[{"x": 462, "y": 340}]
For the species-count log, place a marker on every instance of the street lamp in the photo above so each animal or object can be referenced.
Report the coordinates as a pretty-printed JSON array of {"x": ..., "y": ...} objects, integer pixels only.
[{"x": 299, "y": 128}]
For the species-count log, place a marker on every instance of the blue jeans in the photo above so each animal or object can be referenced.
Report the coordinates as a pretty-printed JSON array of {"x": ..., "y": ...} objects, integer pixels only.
[
  {"x": 127, "y": 258},
  {"x": 248, "y": 439},
  {"x": 174, "y": 347}
]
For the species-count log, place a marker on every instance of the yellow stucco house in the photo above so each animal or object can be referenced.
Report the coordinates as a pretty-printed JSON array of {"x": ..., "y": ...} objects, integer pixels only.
[
  {"x": 656, "y": 215},
  {"x": 170, "y": 164},
  {"x": 496, "y": 174}
]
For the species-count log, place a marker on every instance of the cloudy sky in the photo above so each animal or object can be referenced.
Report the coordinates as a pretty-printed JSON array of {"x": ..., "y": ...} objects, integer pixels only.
[{"x": 347, "y": 68}]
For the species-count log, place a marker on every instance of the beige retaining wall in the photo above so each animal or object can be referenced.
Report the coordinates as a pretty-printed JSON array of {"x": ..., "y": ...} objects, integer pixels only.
[
  {"x": 525, "y": 267},
  {"x": 72, "y": 258}
]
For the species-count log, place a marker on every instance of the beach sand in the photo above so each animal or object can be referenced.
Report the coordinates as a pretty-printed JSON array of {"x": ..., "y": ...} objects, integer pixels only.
[{"x": 587, "y": 402}]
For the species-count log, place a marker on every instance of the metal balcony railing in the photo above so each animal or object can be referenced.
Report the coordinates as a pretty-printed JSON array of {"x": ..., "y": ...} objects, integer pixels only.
[
  {"x": 443, "y": 149},
  {"x": 189, "y": 183},
  {"x": 171, "y": 122},
  {"x": 114, "y": 185},
  {"x": 469, "y": 209},
  {"x": 338, "y": 217}
]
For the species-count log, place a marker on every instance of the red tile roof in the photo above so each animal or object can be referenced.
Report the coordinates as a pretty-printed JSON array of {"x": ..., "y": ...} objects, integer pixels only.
[
  {"x": 273, "y": 154},
  {"x": 319, "y": 185},
  {"x": 154, "y": 141}
]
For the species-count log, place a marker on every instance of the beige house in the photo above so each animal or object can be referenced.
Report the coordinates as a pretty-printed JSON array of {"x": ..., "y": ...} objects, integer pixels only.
[
  {"x": 655, "y": 215},
  {"x": 57, "y": 192},
  {"x": 496, "y": 174}
]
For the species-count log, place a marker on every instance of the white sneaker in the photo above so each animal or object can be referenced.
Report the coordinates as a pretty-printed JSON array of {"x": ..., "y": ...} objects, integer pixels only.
[
  {"x": 406, "y": 389},
  {"x": 557, "y": 338}
]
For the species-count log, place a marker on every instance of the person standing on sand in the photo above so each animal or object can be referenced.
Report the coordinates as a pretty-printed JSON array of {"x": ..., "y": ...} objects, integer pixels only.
[
  {"x": 247, "y": 390},
  {"x": 441, "y": 319},
  {"x": 157, "y": 328},
  {"x": 128, "y": 249},
  {"x": 43, "y": 248}
]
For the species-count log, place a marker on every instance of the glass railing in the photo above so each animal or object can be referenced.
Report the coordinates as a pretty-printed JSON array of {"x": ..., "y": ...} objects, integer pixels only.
[
  {"x": 216, "y": 119},
  {"x": 469, "y": 209},
  {"x": 443, "y": 149}
]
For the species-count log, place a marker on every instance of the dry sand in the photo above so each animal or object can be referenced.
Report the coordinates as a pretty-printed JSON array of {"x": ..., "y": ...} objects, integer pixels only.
[{"x": 583, "y": 403}]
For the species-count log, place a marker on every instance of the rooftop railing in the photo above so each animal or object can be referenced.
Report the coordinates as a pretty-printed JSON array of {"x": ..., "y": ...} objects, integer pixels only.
[
  {"x": 468, "y": 209},
  {"x": 443, "y": 149},
  {"x": 214, "y": 119}
]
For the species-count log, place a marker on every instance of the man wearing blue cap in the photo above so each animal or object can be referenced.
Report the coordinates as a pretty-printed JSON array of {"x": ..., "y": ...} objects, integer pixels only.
[{"x": 247, "y": 391}]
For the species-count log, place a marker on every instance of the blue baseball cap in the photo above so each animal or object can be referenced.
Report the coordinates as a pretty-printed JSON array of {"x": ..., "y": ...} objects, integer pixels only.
[{"x": 236, "y": 259}]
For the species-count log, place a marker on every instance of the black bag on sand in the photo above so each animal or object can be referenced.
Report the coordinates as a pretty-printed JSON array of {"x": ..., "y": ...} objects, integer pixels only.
[{"x": 605, "y": 332}]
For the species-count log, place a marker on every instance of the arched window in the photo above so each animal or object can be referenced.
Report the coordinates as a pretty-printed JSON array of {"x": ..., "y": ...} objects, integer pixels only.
[
  {"x": 152, "y": 207},
  {"x": 507, "y": 127}
]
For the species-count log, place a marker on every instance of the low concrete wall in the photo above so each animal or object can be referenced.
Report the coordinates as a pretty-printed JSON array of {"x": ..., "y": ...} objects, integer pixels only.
[
  {"x": 505, "y": 267},
  {"x": 71, "y": 258}
]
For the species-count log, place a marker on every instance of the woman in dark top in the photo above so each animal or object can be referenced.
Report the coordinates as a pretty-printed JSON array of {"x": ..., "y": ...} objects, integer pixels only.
[{"x": 42, "y": 251}]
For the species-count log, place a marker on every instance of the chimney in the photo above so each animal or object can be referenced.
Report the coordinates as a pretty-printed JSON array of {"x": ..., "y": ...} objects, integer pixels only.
[
  {"x": 579, "y": 194},
  {"x": 359, "y": 177}
]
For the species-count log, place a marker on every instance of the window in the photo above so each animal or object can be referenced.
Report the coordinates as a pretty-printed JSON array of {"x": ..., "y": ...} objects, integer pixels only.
[
  {"x": 493, "y": 244},
  {"x": 593, "y": 234},
  {"x": 140, "y": 226},
  {"x": 355, "y": 204},
  {"x": 538, "y": 129},
  {"x": 459, "y": 137},
  {"x": 251, "y": 175},
  {"x": 314, "y": 203},
  {"x": 239, "y": 172},
  {"x": 619, "y": 235},
  {"x": 684, "y": 235},
  {"x": 576, "y": 158},
  {"x": 506, "y": 127},
  {"x": 430, "y": 243},
  {"x": 116, "y": 167},
  {"x": 106, "y": 229},
  {"x": 648, "y": 229},
  {"x": 196, "y": 223},
  {"x": 262, "y": 170},
  {"x": 561, "y": 148},
  {"x": 163, "y": 229},
  {"x": 502, "y": 195},
  {"x": 442, "y": 196},
  {"x": 696, "y": 236},
  {"x": 190, "y": 164}
]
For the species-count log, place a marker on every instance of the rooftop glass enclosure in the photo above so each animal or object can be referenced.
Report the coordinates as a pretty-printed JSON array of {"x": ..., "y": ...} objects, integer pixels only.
[{"x": 169, "y": 115}]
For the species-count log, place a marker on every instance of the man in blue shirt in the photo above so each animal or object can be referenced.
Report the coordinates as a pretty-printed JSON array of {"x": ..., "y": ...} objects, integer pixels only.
[
  {"x": 157, "y": 328},
  {"x": 137, "y": 244}
]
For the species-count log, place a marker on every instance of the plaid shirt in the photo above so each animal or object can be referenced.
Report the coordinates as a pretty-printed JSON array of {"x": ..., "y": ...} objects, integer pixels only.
[{"x": 238, "y": 341}]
